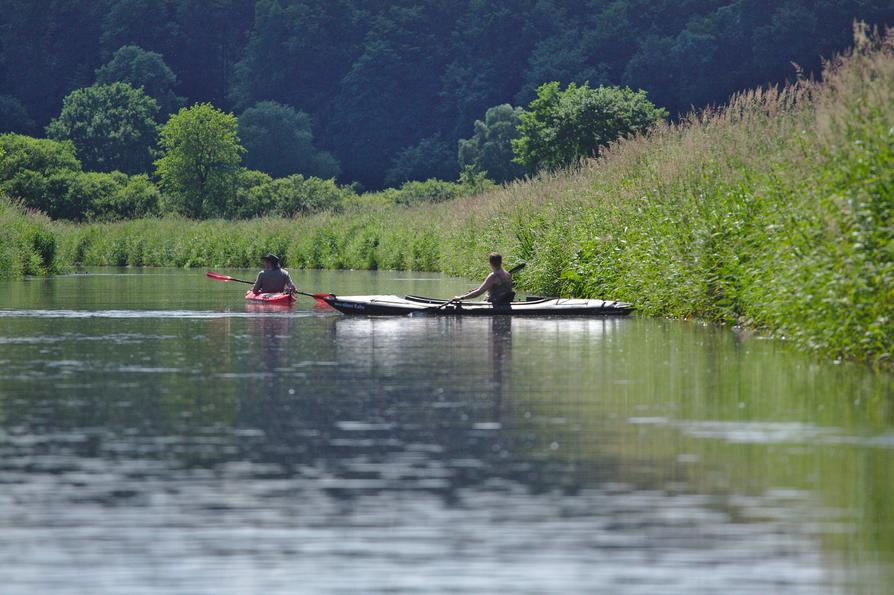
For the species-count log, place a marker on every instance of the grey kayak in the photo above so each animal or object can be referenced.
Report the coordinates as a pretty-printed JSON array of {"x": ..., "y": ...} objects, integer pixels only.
[{"x": 393, "y": 305}]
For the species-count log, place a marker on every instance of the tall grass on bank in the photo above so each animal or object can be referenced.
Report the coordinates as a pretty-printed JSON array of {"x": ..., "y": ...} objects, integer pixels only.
[
  {"x": 27, "y": 245},
  {"x": 776, "y": 211}
]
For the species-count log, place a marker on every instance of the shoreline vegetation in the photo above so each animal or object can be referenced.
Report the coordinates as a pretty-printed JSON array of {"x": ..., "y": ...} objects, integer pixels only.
[{"x": 775, "y": 212}]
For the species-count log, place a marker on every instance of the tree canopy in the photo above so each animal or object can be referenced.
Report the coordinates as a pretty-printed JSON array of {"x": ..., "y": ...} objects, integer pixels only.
[
  {"x": 490, "y": 148},
  {"x": 141, "y": 69},
  {"x": 378, "y": 78},
  {"x": 560, "y": 128},
  {"x": 14, "y": 116},
  {"x": 432, "y": 157},
  {"x": 279, "y": 141},
  {"x": 112, "y": 127},
  {"x": 201, "y": 161}
]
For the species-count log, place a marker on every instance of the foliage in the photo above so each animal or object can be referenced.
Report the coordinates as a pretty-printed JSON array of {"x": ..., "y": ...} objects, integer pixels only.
[
  {"x": 45, "y": 175},
  {"x": 379, "y": 77},
  {"x": 375, "y": 106},
  {"x": 428, "y": 191},
  {"x": 141, "y": 69},
  {"x": 489, "y": 150},
  {"x": 297, "y": 195},
  {"x": 200, "y": 165},
  {"x": 560, "y": 128},
  {"x": 278, "y": 140},
  {"x": 432, "y": 157},
  {"x": 38, "y": 172},
  {"x": 200, "y": 40},
  {"x": 474, "y": 181},
  {"x": 14, "y": 116},
  {"x": 246, "y": 204},
  {"x": 112, "y": 127},
  {"x": 774, "y": 212},
  {"x": 27, "y": 244},
  {"x": 115, "y": 196}
]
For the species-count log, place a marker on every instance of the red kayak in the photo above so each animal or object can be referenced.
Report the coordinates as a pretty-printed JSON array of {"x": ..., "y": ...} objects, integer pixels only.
[{"x": 283, "y": 299}]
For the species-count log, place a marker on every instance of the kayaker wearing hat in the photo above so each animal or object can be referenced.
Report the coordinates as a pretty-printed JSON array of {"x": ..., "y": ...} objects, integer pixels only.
[
  {"x": 273, "y": 279},
  {"x": 498, "y": 284}
]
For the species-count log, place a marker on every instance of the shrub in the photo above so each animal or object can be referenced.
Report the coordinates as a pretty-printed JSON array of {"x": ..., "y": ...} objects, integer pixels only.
[
  {"x": 429, "y": 191},
  {"x": 117, "y": 196},
  {"x": 296, "y": 195}
]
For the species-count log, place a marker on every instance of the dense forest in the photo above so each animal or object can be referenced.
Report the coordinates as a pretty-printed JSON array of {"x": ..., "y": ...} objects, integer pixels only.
[{"x": 382, "y": 92}]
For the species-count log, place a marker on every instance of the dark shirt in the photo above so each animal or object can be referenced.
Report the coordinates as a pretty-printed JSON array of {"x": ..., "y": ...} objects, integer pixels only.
[
  {"x": 272, "y": 281},
  {"x": 501, "y": 291}
]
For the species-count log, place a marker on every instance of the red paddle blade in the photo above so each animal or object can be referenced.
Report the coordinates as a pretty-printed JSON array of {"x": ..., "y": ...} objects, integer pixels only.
[
  {"x": 218, "y": 277},
  {"x": 321, "y": 299}
]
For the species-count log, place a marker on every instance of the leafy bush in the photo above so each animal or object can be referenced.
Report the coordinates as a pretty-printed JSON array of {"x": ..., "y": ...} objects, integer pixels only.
[
  {"x": 39, "y": 172},
  {"x": 248, "y": 204},
  {"x": 297, "y": 195},
  {"x": 429, "y": 191},
  {"x": 115, "y": 196}
]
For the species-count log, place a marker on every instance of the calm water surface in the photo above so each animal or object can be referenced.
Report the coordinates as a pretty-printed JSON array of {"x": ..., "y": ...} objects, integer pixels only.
[{"x": 157, "y": 434}]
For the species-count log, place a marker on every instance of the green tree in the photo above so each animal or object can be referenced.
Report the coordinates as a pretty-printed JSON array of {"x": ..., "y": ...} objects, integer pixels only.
[
  {"x": 48, "y": 49},
  {"x": 200, "y": 165},
  {"x": 13, "y": 116},
  {"x": 298, "y": 52},
  {"x": 278, "y": 140},
  {"x": 431, "y": 158},
  {"x": 377, "y": 112},
  {"x": 139, "y": 68},
  {"x": 490, "y": 148},
  {"x": 112, "y": 127},
  {"x": 563, "y": 57},
  {"x": 39, "y": 172},
  {"x": 560, "y": 128}
]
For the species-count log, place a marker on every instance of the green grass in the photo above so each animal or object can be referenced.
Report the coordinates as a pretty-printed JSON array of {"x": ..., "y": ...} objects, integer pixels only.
[{"x": 776, "y": 212}]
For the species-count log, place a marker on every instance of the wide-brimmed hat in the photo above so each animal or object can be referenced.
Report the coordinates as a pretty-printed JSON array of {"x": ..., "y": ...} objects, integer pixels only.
[{"x": 273, "y": 258}]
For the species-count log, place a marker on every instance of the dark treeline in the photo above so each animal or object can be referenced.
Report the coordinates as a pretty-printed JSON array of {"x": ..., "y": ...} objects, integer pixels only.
[{"x": 389, "y": 88}]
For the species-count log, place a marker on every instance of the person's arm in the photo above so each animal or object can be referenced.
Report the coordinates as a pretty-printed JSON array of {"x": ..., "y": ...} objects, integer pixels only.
[
  {"x": 488, "y": 283},
  {"x": 290, "y": 287},
  {"x": 257, "y": 287}
]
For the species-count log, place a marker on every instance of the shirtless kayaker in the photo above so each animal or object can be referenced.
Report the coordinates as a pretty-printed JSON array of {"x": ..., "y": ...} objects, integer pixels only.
[
  {"x": 498, "y": 284},
  {"x": 273, "y": 279}
]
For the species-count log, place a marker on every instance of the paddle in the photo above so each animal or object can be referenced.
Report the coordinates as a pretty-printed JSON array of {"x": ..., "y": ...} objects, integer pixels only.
[
  {"x": 320, "y": 297},
  {"x": 517, "y": 268}
]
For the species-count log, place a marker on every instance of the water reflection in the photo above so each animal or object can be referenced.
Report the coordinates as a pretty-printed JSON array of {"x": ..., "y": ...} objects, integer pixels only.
[{"x": 246, "y": 450}]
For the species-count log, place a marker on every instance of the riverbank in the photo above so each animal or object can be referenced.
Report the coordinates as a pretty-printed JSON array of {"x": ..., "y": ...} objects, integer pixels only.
[{"x": 776, "y": 212}]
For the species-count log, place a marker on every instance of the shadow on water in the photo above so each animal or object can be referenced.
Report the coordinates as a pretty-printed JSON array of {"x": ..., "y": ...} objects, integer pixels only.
[{"x": 244, "y": 448}]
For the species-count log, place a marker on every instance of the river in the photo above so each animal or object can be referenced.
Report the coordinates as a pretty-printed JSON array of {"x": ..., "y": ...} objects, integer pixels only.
[{"x": 158, "y": 434}]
